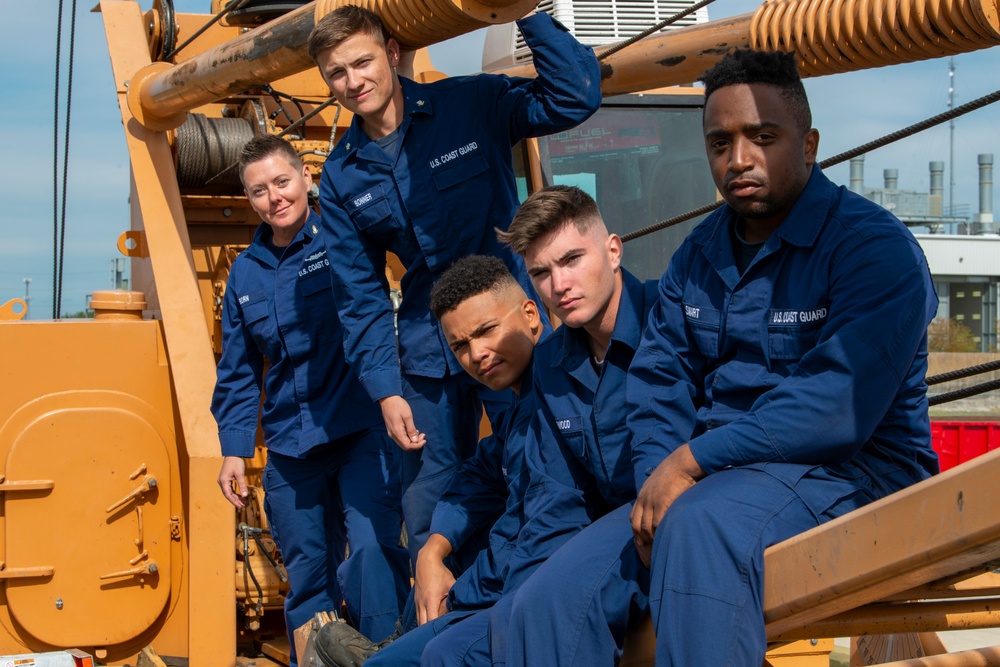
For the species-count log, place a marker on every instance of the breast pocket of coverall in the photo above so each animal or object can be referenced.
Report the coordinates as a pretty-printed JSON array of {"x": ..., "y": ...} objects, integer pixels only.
[
  {"x": 705, "y": 326},
  {"x": 793, "y": 332},
  {"x": 570, "y": 428},
  {"x": 319, "y": 312},
  {"x": 372, "y": 215},
  {"x": 462, "y": 185},
  {"x": 256, "y": 318}
]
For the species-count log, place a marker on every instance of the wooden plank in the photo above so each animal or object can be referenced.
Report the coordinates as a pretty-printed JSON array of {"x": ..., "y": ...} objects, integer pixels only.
[{"x": 935, "y": 529}]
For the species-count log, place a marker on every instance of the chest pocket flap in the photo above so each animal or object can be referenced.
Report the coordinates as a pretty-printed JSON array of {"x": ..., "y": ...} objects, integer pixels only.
[
  {"x": 254, "y": 308},
  {"x": 571, "y": 430},
  {"x": 705, "y": 326},
  {"x": 792, "y": 332},
  {"x": 369, "y": 208},
  {"x": 315, "y": 282},
  {"x": 460, "y": 169}
]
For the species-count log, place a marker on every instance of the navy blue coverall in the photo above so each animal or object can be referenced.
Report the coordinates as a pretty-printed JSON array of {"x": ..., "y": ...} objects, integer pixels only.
[
  {"x": 800, "y": 388},
  {"x": 450, "y": 184},
  {"x": 577, "y": 456},
  {"x": 577, "y": 465},
  {"x": 329, "y": 479},
  {"x": 487, "y": 489}
]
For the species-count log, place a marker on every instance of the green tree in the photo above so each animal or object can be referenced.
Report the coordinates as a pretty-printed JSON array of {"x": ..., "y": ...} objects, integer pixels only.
[{"x": 950, "y": 335}]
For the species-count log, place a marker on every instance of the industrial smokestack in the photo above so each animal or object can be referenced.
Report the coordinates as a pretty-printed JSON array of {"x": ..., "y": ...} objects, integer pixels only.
[
  {"x": 936, "y": 198},
  {"x": 984, "y": 219},
  {"x": 857, "y": 175},
  {"x": 891, "y": 177},
  {"x": 986, "y": 183},
  {"x": 937, "y": 178}
]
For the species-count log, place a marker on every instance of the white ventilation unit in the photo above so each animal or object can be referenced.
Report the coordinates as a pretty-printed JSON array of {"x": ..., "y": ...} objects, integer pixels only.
[{"x": 593, "y": 22}]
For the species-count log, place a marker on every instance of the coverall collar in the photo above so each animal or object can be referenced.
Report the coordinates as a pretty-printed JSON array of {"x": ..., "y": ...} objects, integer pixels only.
[
  {"x": 258, "y": 249},
  {"x": 416, "y": 101},
  {"x": 801, "y": 227},
  {"x": 575, "y": 355}
]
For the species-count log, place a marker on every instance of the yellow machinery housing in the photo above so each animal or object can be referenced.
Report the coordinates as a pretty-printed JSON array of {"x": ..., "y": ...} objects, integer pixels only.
[{"x": 113, "y": 533}]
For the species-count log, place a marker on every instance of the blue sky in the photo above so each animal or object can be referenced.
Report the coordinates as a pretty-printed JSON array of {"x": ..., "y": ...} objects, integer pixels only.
[{"x": 848, "y": 110}]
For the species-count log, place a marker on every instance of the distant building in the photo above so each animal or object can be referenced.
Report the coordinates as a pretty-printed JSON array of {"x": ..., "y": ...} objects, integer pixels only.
[
  {"x": 963, "y": 254},
  {"x": 966, "y": 273}
]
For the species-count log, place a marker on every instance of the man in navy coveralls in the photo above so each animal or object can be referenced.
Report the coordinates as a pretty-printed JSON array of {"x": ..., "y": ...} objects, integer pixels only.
[
  {"x": 491, "y": 327},
  {"x": 425, "y": 171},
  {"x": 779, "y": 384}
]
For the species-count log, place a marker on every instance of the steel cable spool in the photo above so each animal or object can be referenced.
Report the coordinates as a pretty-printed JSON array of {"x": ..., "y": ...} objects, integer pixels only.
[{"x": 206, "y": 147}]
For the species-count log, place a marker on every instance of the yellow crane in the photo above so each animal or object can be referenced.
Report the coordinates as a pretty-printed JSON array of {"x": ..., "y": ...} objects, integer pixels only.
[{"x": 113, "y": 533}]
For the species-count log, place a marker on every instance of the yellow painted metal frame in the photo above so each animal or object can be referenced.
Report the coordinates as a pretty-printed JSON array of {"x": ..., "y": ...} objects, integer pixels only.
[
  {"x": 211, "y": 524},
  {"x": 874, "y": 571},
  {"x": 815, "y": 583},
  {"x": 880, "y": 551}
]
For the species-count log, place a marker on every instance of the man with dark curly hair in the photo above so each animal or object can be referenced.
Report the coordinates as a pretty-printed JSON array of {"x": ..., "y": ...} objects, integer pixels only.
[{"x": 779, "y": 384}]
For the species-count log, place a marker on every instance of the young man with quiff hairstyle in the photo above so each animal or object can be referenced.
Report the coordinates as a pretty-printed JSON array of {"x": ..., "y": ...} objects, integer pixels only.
[
  {"x": 580, "y": 462},
  {"x": 426, "y": 171}
]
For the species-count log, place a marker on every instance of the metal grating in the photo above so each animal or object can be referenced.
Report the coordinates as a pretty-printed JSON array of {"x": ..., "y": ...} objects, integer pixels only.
[{"x": 600, "y": 22}]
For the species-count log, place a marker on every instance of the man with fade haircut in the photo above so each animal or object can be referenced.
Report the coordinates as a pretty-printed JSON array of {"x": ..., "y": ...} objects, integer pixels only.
[
  {"x": 580, "y": 461},
  {"x": 329, "y": 479},
  {"x": 491, "y": 327},
  {"x": 425, "y": 171},
  {"x": 779, "y": 384}
]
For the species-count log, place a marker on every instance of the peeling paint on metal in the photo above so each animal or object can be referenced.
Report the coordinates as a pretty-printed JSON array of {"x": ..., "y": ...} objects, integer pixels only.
[{"x": 672, "y": 61}]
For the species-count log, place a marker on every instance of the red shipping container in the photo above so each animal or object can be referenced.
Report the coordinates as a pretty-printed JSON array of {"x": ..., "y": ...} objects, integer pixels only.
[{"x": 959, "y": 441}]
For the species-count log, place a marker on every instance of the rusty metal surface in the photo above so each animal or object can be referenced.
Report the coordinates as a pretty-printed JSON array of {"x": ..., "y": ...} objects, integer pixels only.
[
  {"x": 846, "y": 35},
  {"x": 161, "y": 94},
  {"x": 829, "y": 36}
]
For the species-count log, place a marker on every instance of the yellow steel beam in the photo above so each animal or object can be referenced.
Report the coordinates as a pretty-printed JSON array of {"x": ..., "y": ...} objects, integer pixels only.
[
  {"x": 894, "y": 618},
  {"x": 209, "y": 521},
  {"x": 816, "y": 584},
  {"x": 982, "y": 585},
  {"x": 846, "y": 35}
]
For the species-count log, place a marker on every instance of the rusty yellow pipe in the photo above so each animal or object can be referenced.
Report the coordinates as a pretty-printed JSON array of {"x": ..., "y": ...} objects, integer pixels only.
[
  {"x": 161, "y": 94},
  {"x": 829, "y": 36}
]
